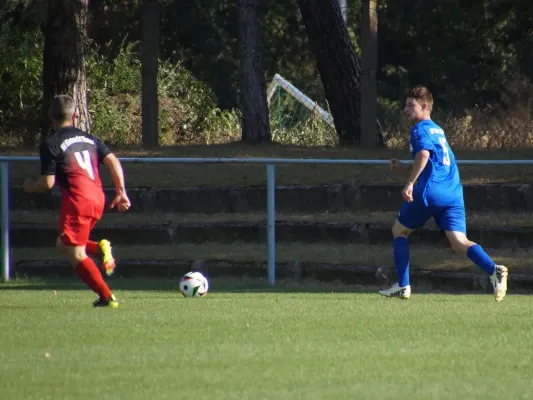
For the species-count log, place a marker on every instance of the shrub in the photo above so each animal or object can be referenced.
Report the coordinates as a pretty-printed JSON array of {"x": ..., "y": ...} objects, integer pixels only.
[
  {"x": 187, "y": 107},
  {"x": 505, "y": 124},
  {"x": 20, "y": 84}
]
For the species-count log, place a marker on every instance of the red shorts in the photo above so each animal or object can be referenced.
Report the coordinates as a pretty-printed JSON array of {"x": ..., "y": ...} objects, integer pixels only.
[{"x": 74, "y": 230}]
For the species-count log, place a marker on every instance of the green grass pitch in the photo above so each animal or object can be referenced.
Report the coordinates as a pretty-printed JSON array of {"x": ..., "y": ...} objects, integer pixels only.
[{"x": 255, "y": 343}]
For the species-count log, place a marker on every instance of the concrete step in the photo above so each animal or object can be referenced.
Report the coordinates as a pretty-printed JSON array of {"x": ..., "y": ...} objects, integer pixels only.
[
  {"x": 42, "y": 235},
  {"x": 289, "y": 199},
  {"x": 422, "y": 257},
  {"x": 432, "y": 268},
  {"x": 422, "y": 280},
  {"x": 500, "y": 218}
]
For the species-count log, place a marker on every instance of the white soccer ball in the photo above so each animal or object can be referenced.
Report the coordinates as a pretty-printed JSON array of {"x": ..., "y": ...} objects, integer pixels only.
[{"x": 193, "y": 284}]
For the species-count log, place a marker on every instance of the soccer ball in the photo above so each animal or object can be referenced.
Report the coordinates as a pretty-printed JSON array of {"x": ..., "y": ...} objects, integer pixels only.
[{"x": 193, "y": 284}]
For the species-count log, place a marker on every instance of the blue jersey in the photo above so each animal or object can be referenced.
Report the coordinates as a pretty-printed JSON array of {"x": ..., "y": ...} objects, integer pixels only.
[{"x": 439, "y": 183}]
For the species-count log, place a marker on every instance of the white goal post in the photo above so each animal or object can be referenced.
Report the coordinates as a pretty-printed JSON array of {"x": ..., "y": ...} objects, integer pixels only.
[{"x": 294, "y": 92}]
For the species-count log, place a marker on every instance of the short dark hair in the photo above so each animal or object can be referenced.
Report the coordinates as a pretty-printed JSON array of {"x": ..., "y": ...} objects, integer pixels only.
[
  {"x": 422, "y": 95},
  {"x": 62, "y": 107}
]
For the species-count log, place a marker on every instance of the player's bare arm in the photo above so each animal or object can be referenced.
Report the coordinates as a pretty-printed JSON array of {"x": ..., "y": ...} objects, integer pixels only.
[
  {"x": 47, "y": 179},
  {"x": 43, "y": 184},
  {"x": 121, "y": 200},
  {"x": 421, "y": 160}
]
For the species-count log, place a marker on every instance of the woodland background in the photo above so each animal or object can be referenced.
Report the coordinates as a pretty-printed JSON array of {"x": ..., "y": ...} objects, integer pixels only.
[{"x": 476, "y": 57}]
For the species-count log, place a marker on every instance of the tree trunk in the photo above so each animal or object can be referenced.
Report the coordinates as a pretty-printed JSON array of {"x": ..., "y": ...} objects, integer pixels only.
[
  {"x": 65, "y": 34},
  {"x": 150, "y": 65},
  {"x": 369, "y": 61},
  {"x": 343, "y": 4},
  {"x": 254, "y": 107},
  {"x": 337, "y": 64}
]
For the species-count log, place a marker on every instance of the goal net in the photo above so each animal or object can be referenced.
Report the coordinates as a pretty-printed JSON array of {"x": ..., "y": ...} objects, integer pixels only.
[{"x": 295, "y": 118}]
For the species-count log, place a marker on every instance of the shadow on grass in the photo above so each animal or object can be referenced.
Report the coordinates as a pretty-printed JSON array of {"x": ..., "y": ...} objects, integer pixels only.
[
  {"x": 217, "y": 285},
  {"x": 241, "y": 286}
]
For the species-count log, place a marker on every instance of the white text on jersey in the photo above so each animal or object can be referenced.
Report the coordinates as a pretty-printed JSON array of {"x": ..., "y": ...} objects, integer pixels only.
[
  {"x": 436, "y": 131},
  {"x": 76, "y": 139}
]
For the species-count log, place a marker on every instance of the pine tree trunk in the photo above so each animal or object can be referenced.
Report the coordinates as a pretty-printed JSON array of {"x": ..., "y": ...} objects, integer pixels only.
[
  {"x": 253, "y": 100},
  {"x": 150, "y": 66},
  {"x": 337, "y": 64},
  {"x": 370, "y": 136},
  {"x": 65, "y": 33}
]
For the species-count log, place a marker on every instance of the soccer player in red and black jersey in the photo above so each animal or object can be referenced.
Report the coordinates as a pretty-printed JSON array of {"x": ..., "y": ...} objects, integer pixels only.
[{"x": 72, "y": 157}]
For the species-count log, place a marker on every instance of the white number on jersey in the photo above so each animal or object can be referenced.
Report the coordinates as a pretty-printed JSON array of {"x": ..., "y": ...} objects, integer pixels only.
[
  {"x": 446, "y": 154},
  {"x": 84, "y": 161}
]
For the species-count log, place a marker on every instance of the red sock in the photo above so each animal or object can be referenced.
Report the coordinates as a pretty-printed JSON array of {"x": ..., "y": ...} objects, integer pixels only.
[
  {"x": 92, "y": 248},
  {"x": 91, "y": 276}
]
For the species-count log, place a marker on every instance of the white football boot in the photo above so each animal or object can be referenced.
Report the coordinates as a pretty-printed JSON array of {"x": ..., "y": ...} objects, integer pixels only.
[
  {"x": 499, "y": 281},
  {"x": 397, "y": 291}
]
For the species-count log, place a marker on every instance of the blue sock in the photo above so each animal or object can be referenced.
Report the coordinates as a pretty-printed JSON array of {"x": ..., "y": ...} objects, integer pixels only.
[
  {"x": 401, "y": 260},
  {"x": 481, "y": 259}
]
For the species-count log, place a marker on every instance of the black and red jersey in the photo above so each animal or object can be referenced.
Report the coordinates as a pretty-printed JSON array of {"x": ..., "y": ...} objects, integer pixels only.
[{"x": 74, "y": 156}]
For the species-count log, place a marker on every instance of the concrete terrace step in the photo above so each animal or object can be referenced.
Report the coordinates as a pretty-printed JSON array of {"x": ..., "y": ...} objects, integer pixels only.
[
  {"x": 421, "y": 280},
  {"x": 299, "y": 261},
  {"x": 422, "y": 257},
  {"x": 300, "y": 198},
  {"x": 42, "y": 235}
]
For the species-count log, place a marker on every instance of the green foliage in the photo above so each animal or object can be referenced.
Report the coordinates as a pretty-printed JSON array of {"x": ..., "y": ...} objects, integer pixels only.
[
  {"x": 466, "y": 52},
  {"x": 114, "y": 101},
  {"x": 187, "y": 111},
  {"x": 20, "y": 82},
  {"x": 120, "y": 75},
  {"x": 187, "y": 107},
  {"x": 21, "y": 66}
]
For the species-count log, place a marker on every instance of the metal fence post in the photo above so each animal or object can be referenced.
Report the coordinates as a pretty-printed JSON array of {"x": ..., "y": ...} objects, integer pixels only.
[
  {"x": 4, "y": 218},
  {"x": 271, "y": 222}
]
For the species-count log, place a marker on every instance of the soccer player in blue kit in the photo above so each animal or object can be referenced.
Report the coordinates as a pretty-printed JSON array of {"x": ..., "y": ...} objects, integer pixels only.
[{"x": 434, "y": 189}]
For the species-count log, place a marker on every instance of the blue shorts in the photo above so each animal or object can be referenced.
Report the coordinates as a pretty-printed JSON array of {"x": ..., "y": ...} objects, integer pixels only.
[{"x": 449, "y": 218}]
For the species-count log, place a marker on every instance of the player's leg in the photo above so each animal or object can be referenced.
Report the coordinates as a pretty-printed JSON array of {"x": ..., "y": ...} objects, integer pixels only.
[
  {"x": 497, "y": 273},
  {"x": 93, "y": 249},
  {"x": 410, "y": 217},
  {"x": 453, "y": 221},
  {"x": 71, "y": 243},
  {"x": 108, "y": 261},
  {"x": 102, "y": 249}
]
